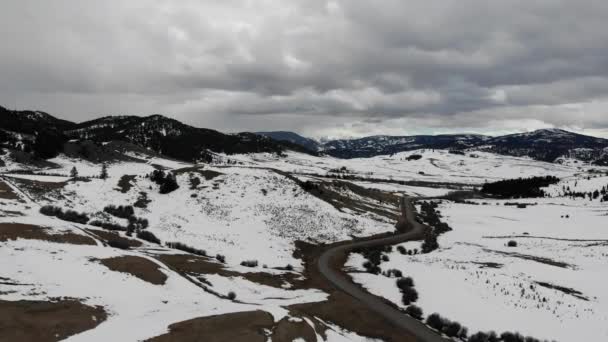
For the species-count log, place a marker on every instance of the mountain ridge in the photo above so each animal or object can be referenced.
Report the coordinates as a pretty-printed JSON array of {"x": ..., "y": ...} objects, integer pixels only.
[
  {"x": 543, "y": 144},
  {"x": 45, "y": 136}
]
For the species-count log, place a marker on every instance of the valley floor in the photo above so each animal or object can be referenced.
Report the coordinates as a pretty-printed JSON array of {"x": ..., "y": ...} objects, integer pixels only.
[{"x": 237, "y": 237}]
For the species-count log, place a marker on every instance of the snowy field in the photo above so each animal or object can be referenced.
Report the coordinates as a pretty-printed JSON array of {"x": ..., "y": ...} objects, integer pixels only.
[
  {"x": 551, "y": 285},
  {"x": 37, "y": 269},
  {"x": 434, "y": 166},
  {"x": 241, "y": 213},
  {"x": 475, "y": 279}
]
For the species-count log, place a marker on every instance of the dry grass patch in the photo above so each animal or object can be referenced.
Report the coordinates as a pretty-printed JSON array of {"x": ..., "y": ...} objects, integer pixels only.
[
  {"x": 139, "y": 267},
  {"x": 232, "y": 327},
  {"x": 6, "y": 192},
  {"x": 37, "y": 321},
  {"x": 288, "y": 331},
  {"x": 40, "y": 190},
  {"x": 14, "y": 231},
  {"x": 195, "y": 265},
  {"x": 347, "y": 313},
  {"x": 109, "y": 237}
]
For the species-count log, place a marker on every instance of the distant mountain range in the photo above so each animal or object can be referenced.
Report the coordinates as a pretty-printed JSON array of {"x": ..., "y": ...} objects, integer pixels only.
[
  {"x": 545, "y": 144},
  {"x": 40, "y": 135}
]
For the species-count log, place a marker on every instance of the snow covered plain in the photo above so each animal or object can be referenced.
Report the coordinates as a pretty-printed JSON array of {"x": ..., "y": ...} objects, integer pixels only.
[
  {"x": 551, "y": 286},
  {"x": 244, "y": 212},
  {"x": 439, "y": 166}
]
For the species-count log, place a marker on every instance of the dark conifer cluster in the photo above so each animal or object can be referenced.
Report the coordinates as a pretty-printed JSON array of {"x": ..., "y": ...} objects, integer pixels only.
[
  {"x": 167, "y": 181},
  {"x": 520, "y": 187}
]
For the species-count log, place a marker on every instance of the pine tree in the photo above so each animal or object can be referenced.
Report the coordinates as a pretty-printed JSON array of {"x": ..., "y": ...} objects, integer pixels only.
[
  {"x": 104, "y": 171},
  {"x": 74, "y": 172}
]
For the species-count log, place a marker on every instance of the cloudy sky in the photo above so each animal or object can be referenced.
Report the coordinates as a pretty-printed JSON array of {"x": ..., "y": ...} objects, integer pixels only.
[{"x": 321, "y": 68}]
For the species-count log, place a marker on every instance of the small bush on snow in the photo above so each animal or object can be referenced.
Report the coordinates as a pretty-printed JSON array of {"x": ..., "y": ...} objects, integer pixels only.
[
  {"x": 137, "y": 223},
  {"x": 107, "y": 225},
  {"x": 514, "y": 337},
  {"x": 483, "y": 337},
  {"x": 409, "y": 295},
  {"x": 120, "y": 211},
  {"x": 414, "y": 311},
  {"x": 231, "y": 295},
  {"x": 393, "y": 273},
  {"x": 186, "y": 248},
  {"x": 220, "y": 258},
  {"x": 406, "y": 282},
  {"x": 148, "y": 236},
  {"x": 436, "y": 322},
  {"x": 68, "y": 215},
  {"x": 452, "y": 329},
  {"x": 249, "y": 263}
]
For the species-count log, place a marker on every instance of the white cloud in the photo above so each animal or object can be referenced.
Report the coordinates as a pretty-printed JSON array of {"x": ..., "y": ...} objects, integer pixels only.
[{"x": 364, "y": 67}]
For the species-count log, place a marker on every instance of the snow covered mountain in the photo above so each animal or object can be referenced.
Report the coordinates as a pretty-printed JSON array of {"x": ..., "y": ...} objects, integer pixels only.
[
  {"x": 44, "y": 136},
  {"x": 550, "y": 144},
  {"x": 294, "y": 138},
  {"x": 34, "y": 133},
  {"x": 545, "y": 145},
  {"x": 382, "y": 144},
  {"x": 170, "y": 137}
]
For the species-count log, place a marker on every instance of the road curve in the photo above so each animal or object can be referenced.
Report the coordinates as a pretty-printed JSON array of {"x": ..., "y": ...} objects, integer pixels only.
[{"x": 345, "y": 284}]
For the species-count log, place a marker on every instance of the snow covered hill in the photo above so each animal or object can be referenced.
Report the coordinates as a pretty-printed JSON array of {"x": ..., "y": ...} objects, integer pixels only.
[
  {"x": 294, "y": 138},
  {"x": 226, "y": 229},
  {"x": 43, "y": 136}
]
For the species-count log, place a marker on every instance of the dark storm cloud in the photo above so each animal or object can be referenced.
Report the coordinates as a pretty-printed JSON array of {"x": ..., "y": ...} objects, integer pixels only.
[{"x": 323, "y": 67}]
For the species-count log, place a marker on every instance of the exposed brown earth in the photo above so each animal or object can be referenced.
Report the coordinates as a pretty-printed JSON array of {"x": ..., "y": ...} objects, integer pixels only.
[
  {"x": 332, "y": 193},
  {"x": 187, "y": 264},
  {"x": 108, "y": 237},
  {"x": 341, "y": 310},
  {"x": 287, "y": 331},
  {"x": 139, "y": 267},
  {"x": 6, "y": 192},
  {"x": 14, "y": 231},
  {"x": 10, "y": 213},
  {"x": 36, "y": 321},
  {"x": 233, "y": 327},
  {"x": 39, "y": 190}
]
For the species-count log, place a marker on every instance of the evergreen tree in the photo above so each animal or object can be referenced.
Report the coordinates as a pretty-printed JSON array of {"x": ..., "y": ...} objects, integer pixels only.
[
  {"x": 74, "y": 172},
  {"x": 169, "y": 184},
  {"x": 104, "y": 172}
]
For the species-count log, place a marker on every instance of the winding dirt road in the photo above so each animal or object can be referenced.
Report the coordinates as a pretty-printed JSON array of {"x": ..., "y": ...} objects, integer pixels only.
[{"x": 345, "y": 284}]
